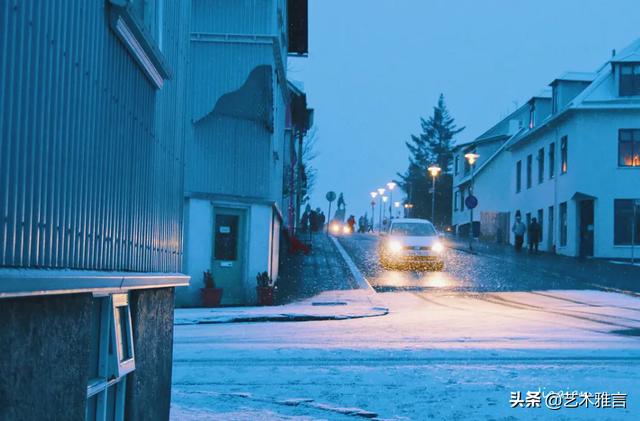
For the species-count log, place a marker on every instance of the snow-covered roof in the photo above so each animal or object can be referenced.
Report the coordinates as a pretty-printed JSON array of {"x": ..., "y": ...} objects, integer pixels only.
[
  {"x": 576, "y": 77},
  {"x": 631, "y": 53}
]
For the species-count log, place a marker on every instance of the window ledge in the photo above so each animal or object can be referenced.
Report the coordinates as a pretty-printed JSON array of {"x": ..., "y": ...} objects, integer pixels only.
[
  {"x": 139, "y": 44},
  {"x": 16, "y": 282}
]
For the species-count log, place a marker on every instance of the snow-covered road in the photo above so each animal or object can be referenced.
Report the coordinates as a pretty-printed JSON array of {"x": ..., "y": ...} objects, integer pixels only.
[{"x": 437, "y": 355}]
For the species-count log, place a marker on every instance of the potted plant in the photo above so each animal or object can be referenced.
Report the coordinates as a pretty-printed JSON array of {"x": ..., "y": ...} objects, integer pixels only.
[
  {"x": 211, "y": 295},
  {"x": 266, "y": 289}
]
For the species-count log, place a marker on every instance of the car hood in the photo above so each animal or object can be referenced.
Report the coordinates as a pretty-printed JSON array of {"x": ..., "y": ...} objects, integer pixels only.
[{"x": 415, "y": 241}]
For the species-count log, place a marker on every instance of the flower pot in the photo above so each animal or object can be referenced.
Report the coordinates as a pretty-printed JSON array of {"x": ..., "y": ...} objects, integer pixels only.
[
  {"x": 265, "y": 296},
  {"x": 211, "y": 296}
]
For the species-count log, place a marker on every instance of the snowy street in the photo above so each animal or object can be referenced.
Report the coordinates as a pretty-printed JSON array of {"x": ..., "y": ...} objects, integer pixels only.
[{"x": 440, "y": 353}]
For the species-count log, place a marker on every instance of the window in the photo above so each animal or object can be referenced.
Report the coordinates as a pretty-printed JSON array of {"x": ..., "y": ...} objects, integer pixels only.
[
  {"x": 626, "y": 220},
  {"x": 462, "y": 199},
  {"x": 455, "y": 201},
  {"x": 552, "y": 160},
  {"x": 563, "y": 224},
  {"x": 550, "y": 225},
  {"x": 629, "y": 148},
  {"x": 564, "y": 153},
  {"x": 540, "y": 165},
  {"x": 554, "y": 99},
  {"x": 541, "y": 222},
  {"x": 111, "y": 357},
  {"x": 532, "y": 115},
  {"x": 630, "y": 79},
  {"x": 456, "y": 165},
  {"x": 529, "y": 164},
  {"x": 518, "y": 176}
]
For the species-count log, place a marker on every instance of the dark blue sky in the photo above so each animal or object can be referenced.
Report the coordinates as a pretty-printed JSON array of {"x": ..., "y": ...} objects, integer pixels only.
[{"x": 375, "y": 67}]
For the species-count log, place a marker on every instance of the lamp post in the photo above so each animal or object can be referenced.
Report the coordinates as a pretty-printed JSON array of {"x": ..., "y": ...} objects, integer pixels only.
[
  {"x": 391, "y": 185},
  {"x": 434, "y": 170},
  {"x": 385, "y": 199},
  {"x": 373, "y": 203},
  {"x": 397, "y": 206},
  {"x": 471, "y": 159},
  {"x": 380, "y": 193},
  {"x": 407, "y": 209}
]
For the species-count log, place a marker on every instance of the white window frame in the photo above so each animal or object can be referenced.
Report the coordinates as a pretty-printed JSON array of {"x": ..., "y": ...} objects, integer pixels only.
[{"x": 112, "y": 369}]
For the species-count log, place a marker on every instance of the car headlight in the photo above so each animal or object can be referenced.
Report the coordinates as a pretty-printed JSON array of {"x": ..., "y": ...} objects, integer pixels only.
[
  {"x": 437, "y": 247},
  {"x": 394, "y": 246},
  {"x": 335, "y": 228},
  {"x": 346, "y": 229}
]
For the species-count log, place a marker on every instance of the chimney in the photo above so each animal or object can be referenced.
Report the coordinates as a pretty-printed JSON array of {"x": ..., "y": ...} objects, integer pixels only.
[{"x": 613, "y": 53}]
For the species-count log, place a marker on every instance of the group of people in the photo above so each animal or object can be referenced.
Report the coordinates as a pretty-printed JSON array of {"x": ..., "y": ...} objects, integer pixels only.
[
  {"x": 312, "y": 220},
  {"x": 532, "y": 230}
]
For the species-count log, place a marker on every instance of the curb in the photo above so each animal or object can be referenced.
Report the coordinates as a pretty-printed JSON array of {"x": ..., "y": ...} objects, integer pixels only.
[
  {"x": 285, "y": 318},
  {"x": 357, "y": 275}
]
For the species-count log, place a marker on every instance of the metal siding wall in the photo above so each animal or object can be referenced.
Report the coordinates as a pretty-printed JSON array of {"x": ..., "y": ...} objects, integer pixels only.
[
  {"x": 87, "y": 180},
  {"x": 253, "y": 17}
]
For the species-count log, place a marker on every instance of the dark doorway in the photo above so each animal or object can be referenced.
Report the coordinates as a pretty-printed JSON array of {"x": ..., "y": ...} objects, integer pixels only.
[{"x": 586, "y": 228}]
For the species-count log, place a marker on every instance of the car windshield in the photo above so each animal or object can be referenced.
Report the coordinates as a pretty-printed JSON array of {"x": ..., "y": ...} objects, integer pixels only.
[{"x": 412, "y": 229}]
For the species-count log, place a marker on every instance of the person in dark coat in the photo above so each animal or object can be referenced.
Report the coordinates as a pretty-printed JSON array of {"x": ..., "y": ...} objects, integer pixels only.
[
  {"x": 321, "y": 220},
  {"x": 533, "y": 235},
  {"x": 313, "y": 220}
]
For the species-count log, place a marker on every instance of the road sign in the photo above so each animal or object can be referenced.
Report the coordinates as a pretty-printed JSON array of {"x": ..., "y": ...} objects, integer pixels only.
[
  {"x": 331, "y": 196},
  {"x": 471, "y": 201}
]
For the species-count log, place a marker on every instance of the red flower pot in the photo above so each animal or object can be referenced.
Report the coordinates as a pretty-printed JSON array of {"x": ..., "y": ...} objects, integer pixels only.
[
  {"x": 211, "y": 296},
  {"x": 265, "y": 296}
]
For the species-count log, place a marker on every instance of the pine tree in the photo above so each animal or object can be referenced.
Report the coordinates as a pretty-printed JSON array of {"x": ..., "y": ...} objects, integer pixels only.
[{"x": 432, "y": 146}]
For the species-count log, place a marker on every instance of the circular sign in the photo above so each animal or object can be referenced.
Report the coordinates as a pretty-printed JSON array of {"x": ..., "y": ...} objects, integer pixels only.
[
  {"x": 331, "y": 196},
  {"x": 471, "y": 201}
]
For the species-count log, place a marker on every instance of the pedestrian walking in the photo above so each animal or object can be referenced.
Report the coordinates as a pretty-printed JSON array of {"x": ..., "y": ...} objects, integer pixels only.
[
  {"x": 304, "y": 221},
  {"x": 321, "y": 220},
  {"x": 313, "y": 220},
  {"x": 518, "y": 230},
  {"x": 533, "y": 235},
  {"x": 361, "y": 224}
]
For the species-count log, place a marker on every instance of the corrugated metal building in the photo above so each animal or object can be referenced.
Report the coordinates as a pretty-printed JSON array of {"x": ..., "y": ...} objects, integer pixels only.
[
  {"x": 91, "y": 194},
  {"x": 237, "y": 141}
]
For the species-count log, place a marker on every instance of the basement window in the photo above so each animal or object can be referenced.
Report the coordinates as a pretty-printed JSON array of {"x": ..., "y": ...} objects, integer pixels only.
[{"x": 111, "y": 357}]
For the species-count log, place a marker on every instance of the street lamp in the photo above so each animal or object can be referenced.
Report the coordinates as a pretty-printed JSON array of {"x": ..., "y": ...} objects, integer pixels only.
[
  {"x": 391, "y": 185},
  {"x": 380, "y": 193},
  {"x": 397, "y": 205},
  {"x": 407, "y": 209},
  {"x": 385, "y": 199},
  {"x": 471, "y": 159},
  {"x": 434, "y": 170},
  {"x": 373, "y": 203}
]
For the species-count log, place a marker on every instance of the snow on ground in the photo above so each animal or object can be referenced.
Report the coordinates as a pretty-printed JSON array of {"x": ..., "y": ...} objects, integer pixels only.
[
  {"x": 434, "y": 356},
  {"x": 329, "y": 305}
]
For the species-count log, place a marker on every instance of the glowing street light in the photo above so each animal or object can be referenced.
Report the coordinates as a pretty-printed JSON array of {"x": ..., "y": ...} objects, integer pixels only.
[
  {"x": 407, "y": 209},
  {"x": 380, "y": 193},
  {"x": 434, "y": 170},
  {"x": 391, "y": 185},
  {"x": 373, "y": 194},
  {"x": 471, "y": 159},
  {"x": 397, "y": 206}
]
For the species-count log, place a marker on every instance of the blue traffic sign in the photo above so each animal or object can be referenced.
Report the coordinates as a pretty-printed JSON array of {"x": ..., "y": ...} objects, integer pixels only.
[{"x": 471, "y": 201}]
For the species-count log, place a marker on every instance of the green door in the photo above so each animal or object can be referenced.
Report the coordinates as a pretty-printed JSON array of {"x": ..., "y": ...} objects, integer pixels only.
[{"x": 228, "y": 254}]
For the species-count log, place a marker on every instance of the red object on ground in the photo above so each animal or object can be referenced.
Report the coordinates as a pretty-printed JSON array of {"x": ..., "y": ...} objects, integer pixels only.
[
  {"x": 265, "y": 296},
  {"x": 297, "y": 245},
  {"x": 211, "y": 297}
]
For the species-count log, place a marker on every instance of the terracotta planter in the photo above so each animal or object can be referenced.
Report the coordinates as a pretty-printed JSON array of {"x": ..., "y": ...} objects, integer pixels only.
[
  {"x": 265, "y": 296},
  {"x": 211, "y": 296}
]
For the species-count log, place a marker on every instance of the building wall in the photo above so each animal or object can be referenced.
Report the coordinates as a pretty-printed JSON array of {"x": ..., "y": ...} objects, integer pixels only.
[
  {"x": 149, "y": 385},
  {"x": 261, "y": 240},
  {"x": 77, "y": 110},
  {"x": 44, "y": 368},
  {"x": 592, "y": 155}
]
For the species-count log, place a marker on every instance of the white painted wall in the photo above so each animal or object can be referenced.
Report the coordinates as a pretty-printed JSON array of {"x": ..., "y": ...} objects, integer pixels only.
[{"x": 198, "y": 246}]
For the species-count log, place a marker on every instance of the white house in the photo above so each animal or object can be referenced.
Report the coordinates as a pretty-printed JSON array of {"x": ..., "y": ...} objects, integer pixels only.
[
  {"x": 237, "y": 141},
  {"x": 489, "y": 173},
  {"x": 577, "y": 170}
]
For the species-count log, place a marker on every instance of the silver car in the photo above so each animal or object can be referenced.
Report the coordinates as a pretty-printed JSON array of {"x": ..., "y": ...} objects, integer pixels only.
[{"x": 412, "y": 243}]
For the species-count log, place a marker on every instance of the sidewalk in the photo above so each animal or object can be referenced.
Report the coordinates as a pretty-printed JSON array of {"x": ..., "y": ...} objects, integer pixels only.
[
  {"x": 595, "y": 273},
  {"x": 317, "y": 286}
]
